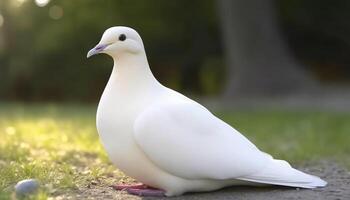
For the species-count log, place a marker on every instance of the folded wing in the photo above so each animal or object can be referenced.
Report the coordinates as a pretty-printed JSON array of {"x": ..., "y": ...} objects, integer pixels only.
[{"x": 186, "y": 140}]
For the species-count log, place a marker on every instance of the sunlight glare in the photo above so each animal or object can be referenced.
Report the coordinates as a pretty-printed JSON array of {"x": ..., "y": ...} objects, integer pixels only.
[
  {"x": 42, "y": 3},
  {"x": 10, "y": 130},
  {"x": 1, "y": 20},
  {"x": 18, "y": 3},
  {"x": 56, "y": 12}
]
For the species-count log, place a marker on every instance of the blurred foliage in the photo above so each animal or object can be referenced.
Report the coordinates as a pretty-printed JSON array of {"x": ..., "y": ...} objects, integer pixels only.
[
  {"x": 319, "y": 34},
  {"x": 43, "y": 51},
  {"x": 44, "y": 58}
]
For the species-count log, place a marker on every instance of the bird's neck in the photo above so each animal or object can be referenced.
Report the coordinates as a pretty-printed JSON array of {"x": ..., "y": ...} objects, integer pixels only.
[{"x": 132, "y": 70}]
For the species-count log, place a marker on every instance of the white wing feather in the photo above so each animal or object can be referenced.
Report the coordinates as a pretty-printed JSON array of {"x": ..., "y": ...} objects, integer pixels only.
[
  {"x": 186, "y": 140},
  {"x": 279, "y": 172}
]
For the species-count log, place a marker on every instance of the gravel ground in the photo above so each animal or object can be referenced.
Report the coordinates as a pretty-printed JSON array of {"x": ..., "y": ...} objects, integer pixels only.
[{"x": 338, "y": 188}]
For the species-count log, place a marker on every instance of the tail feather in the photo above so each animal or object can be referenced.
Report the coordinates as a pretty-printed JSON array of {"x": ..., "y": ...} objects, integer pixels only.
[{"x": 279, "y": 172}]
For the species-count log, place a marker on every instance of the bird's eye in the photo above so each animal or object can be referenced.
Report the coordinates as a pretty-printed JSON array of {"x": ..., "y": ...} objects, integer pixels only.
[{"x": 122, "y": 37}]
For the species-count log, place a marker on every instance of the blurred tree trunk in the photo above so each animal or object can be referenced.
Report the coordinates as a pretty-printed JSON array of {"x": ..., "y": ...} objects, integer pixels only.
[{"x": 258, "y": 59}]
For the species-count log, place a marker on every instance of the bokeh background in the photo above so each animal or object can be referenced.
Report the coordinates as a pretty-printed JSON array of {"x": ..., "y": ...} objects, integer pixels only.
[
  {"x": 277, "y": 71},
  {"x": 203, "y": 48}
]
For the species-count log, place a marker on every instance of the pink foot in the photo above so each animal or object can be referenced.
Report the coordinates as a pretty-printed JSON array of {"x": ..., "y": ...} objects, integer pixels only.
[
  {"x": 125, "y": 186},
  {"x": 151, "y": 192}
]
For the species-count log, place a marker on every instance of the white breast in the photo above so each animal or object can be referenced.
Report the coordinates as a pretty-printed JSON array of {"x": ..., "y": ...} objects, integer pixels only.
[{"x": 116, "y": 115}]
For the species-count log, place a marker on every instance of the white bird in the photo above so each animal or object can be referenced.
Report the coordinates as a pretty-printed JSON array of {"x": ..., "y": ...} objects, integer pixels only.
[{"x": 169, "y": 142}]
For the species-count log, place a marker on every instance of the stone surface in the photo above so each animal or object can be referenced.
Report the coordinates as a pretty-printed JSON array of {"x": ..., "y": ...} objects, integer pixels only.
[
  {"x": 338, "y": 188},
  {"x": 27, "y": 186}
]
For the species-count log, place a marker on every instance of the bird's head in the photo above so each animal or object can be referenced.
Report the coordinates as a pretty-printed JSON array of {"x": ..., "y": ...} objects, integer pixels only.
[{"x": 118, "y": 41}]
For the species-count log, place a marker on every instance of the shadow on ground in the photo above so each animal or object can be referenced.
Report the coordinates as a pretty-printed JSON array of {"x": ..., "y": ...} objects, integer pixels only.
[{"x": 338, "y": 187}]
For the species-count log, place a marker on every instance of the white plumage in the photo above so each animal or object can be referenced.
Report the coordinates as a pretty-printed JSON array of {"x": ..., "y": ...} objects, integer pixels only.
[{"x": 168, "y": 141}]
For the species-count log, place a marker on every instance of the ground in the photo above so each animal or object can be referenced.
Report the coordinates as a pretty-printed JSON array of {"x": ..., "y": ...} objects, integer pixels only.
[
  {"x": 59, "y": 146},
  {"x": 338, "y": 188}
]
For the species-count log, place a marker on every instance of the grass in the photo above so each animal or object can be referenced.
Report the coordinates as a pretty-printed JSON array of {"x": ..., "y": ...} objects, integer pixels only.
[{"x": 59, "y": 146}]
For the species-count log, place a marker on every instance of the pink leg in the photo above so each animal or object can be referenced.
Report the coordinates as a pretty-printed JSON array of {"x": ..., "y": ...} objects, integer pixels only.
[{"x": 149, "y": 192}]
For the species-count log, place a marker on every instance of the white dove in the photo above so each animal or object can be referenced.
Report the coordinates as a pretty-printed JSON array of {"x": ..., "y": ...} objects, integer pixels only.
[{"x": 169, "y": 142}]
